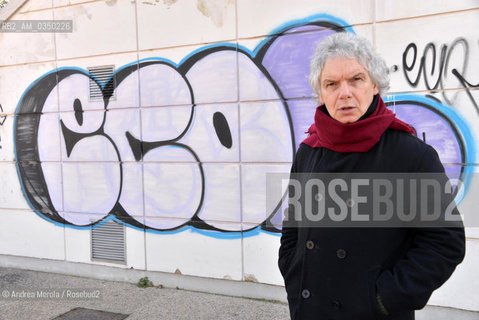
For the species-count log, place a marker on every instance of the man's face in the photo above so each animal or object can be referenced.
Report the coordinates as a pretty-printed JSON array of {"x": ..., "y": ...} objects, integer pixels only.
[{"x": 346, "y": 89}]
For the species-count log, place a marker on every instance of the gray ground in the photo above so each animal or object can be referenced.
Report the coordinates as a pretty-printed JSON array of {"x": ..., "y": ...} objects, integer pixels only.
[
  {"x": 140, "y": 303},
  {"x": 126, "y": 298}
]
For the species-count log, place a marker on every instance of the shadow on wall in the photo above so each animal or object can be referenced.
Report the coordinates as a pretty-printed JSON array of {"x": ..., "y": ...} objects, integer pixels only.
[{"x": 173, "y": 163}]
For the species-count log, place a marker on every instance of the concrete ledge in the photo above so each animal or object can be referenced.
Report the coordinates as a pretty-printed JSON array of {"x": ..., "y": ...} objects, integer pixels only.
[{"x": 169, "y": 280}]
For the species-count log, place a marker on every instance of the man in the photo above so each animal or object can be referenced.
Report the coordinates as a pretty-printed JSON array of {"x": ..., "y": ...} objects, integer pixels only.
[{"x": 362, "y": 273}]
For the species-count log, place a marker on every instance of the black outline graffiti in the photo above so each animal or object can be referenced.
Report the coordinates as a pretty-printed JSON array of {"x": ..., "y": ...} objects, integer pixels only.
[
  {"x": 27, "y": 157},
  {"x": 467, "y": 86},
  {"x": 26, "y": 128},
  {"x": 222, "y": 129},
  {"x": 3, "y": 118},
  {"x": 443, "y": 67},
  {"x": 77, "y": 107}
]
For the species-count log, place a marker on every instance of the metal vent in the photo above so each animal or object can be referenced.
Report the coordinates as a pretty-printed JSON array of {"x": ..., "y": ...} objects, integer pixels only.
[
  {"x": 102, "y": 74},
  {"x": 108, "y": 242}
]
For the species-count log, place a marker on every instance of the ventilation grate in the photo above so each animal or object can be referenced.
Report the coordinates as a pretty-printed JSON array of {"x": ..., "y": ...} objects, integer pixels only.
[
  {"x": 108, "y": 242},
  {"x": 102, "y": 74}
]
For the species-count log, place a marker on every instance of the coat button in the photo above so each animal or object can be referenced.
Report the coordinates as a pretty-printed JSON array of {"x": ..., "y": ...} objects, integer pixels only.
[
  {"x": 341, "y": 253},
  {"x": 336, "y": 304},
  {"x": 310, "y": 244},
  {"x": 350, "y": 203},
  {"x": 305, "y": 294}
]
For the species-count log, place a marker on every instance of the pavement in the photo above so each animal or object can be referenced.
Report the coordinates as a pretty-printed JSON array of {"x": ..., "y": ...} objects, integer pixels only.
[
  {"x": 39, "y": 295},
  {"x": 53, "y": 295}
]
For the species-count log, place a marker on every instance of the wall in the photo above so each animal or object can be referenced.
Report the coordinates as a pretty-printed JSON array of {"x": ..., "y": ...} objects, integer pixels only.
[{"x": 209, "y": 97}]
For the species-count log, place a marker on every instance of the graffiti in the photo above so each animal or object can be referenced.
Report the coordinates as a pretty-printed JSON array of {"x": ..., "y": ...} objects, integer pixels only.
[
  {"x": 440, "y": 65},
  {"x": 187, "y": 145},
  {"x": 3, "y": 117},
  {"x": 171, "y": 150},
  {"x": 440, "y": 126}
]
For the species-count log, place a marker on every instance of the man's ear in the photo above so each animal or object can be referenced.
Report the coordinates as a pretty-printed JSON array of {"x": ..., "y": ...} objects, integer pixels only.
[{"x": 375, "y": 89}]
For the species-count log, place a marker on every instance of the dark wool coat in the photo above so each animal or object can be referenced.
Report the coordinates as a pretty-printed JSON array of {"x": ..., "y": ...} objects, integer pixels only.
[{"x": 338, "y": 273}]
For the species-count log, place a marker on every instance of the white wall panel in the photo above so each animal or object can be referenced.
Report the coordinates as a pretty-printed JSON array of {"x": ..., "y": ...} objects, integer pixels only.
[
  {"x": 391, "y": 9},
  {"x": 97, "y": 18},
  {"x": 261, "y": 259},
  {"x": 470, "y": 202},
  {"x": 175, "y": 23},
  {"x": 460, "y": 291},
  {"x": 62, "y": 3},
  {"x": 7, "y": 152},
  {"x": 24, "y": 233},
  {"x": 35, "y": 5},
  {"x": 258, "y": 18},
  {"x": 35, "y": 47},
  {"x": 11, "y": 195},
  {"x": 192, "y": 253},
  {"x": 12, "y": 87}
]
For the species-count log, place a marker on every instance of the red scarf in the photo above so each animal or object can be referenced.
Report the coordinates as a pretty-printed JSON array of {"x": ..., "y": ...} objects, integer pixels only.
[{"x": 359, "y": 136}]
